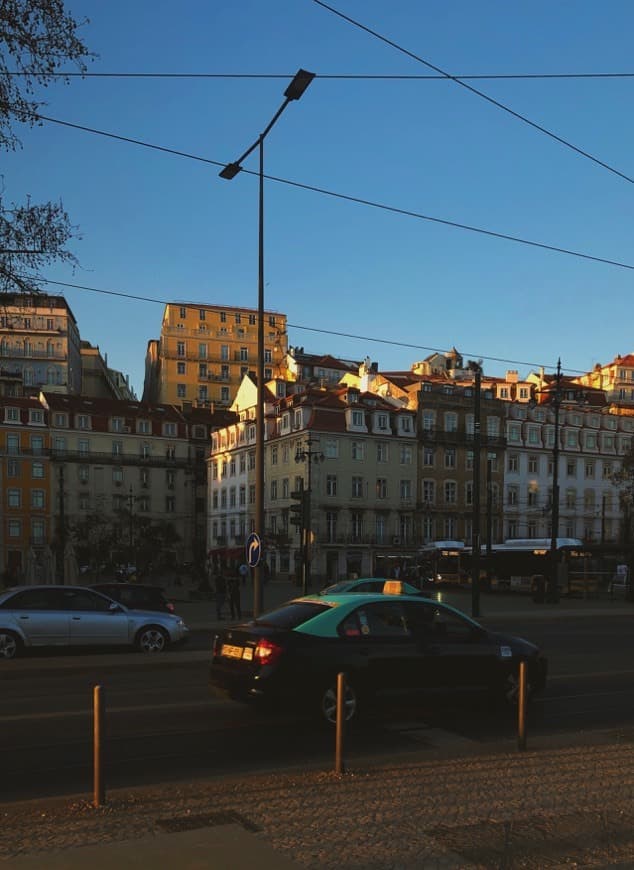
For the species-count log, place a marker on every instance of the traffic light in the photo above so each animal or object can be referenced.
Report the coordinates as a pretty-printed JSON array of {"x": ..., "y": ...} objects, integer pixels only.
[{"x": 297, "y": 511}]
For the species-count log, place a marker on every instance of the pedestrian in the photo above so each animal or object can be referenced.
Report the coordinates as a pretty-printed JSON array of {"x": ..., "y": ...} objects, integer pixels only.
[
  {"x": 233, "y": 588},
  {"x": 220, "y": 588}
]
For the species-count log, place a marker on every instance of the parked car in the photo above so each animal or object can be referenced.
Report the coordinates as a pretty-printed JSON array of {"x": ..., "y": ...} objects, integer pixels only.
[
  {"x": 136, "y": 596},
  {"x": 384, "y": 644},
  {"x": 369, "y": 584},
  {"x": 62, "y": 616}
]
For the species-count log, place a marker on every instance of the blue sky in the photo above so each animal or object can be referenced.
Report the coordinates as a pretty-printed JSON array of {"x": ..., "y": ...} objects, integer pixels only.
[{"x": 168, "y": 228}]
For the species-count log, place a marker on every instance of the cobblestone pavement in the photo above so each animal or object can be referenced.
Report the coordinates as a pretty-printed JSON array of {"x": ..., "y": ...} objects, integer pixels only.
[{"x": 552, "y": 808}]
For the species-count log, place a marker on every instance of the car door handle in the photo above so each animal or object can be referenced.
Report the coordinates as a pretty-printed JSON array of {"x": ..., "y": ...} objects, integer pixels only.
[
  {"x": 76, "y": 618},
  {"x": 24, "y": 617}
]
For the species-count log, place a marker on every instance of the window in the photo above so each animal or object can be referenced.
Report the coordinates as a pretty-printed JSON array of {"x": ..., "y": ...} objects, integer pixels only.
[
  {"x": 381, "y": 487},
  {"x": 182, "y": 312},
  {"x": 13, "y": 443},
  {"x": 514, "y": 432},
  {"x": 513, "y": 462},
  {"x": 15, "y": 528},
  {"x": 450, "y": 457},
  {"x": 274, "y": 490},
  {"x": 382, "y": 421},
  {"x": 117, "y": 424},
  {"x": 37, "y": 470},
  {"x": 169, "y": 429},
  {"x": 61, "y": 420},
  {"x": 512, "y": 495},
  {"x": 406, "y": 455},
  {"x": 274, "y": 455},
  {"x": 224, "y": 394},
  {"x": 358, "y": 450},
  {"x": 533, "y": 435},
  {"x": 180, "y": 368},
  {"x": 117, "y": 448},
  {"x": 406, "y": 424},
  {"x": 531, "y": 496},
  {"x": 13, "y": 468},
  {"x": 571, "y": 468},
  {"x": 180, "y": 348},
  {"x": 382, "y": 451},
  {"x": 429, "y": 491},
  {"x": 572, "y": 439},
  {"x": 428, "y": 421},
  {"x": 331, "y": 448},
  {"x": 428, "y": 457},
  {"x": 14, "y": 498},
  {"x": 117, "y": 476},
  {"x": 591, "y": 440},
  {"x": 533, "y": 464},
  {"x": 181, "y": 391},
  {"x": 331, "y": 484},
  {"x": 83, "y": 421},
  {"x": 468, "y": 493},
  {"x": 451, "y": 422},
  {"x": 170, "y": 504},
  {"x": 36, "y": 417},
  {"x": 589, "y": 469},
  {"x": 357, "y": 487},
  {"x": 450, "y": 490},
  {"x": 468, "y": 462},
  {"x": 37, "y": 445},
  {"x": 406, "y": 490},
  {"x": 83, "y": 472},
  {"x": 244, "y": 354},
  {"x": 357, "y": 419}
]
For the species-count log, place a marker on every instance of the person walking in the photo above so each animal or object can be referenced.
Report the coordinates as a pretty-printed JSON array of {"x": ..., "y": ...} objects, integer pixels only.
[
  {"x": 220, "y": 587},
  {"x": 233, "y": 588}
]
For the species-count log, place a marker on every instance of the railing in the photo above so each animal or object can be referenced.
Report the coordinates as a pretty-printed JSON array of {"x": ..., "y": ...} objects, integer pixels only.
[{"x": 10, "y": 352}]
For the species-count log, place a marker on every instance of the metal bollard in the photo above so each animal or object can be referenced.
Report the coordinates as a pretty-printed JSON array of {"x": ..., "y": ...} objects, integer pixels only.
[
  {"x": 521, "y": 708},
  {"x": 98, "y": 703},
  {"x": 341, "y": 721}
]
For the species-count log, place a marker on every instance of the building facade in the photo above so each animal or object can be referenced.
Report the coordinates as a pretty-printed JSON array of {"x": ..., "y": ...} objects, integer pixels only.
[
  {"x": 40, "y": 343},
  {"x": 205, "y": 350}
]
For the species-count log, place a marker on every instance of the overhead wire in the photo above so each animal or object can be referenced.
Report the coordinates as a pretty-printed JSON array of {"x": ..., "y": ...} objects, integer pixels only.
[
  {"x": 475, "y": 91},
  {"x": 332, "y": 76},
  {"x": 349, "y": 198},
  {"x": 366, "y": 338}
]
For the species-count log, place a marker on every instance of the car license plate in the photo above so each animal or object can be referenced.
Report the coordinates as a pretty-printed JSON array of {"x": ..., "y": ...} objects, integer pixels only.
[{"x": 232, "y": 652}]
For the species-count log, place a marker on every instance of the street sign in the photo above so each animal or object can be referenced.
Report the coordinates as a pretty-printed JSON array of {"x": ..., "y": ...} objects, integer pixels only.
[{"x": 254, "y": 550}]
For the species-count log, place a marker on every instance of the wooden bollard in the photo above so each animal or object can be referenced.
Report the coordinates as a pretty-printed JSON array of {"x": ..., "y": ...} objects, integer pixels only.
[
  {"x": 341, "y": 721},
  {"x": 99, "y": 789},
  {"x": 521, "y": 707}
]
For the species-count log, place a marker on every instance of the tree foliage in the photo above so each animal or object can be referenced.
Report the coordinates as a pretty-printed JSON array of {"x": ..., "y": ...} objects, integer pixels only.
[
  {"x": 38, "y": 38},
  {"x": 623, "y": 479}
]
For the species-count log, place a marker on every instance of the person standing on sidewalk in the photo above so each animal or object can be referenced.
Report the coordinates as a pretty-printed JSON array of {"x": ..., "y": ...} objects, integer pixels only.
[
  {"x": 220, "y": 588},
  {"x": 233, "y": 588}
]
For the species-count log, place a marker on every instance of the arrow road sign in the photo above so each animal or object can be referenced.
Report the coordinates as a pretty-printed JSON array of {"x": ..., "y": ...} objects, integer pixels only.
[{"x": 254, "y": 550}]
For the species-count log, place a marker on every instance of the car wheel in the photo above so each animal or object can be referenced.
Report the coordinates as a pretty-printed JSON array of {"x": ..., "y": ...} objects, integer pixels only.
[
  {"x": 9, "y": 645},
  {"x": 152, "y": 639},
  {"x": 328, "y": 703}
]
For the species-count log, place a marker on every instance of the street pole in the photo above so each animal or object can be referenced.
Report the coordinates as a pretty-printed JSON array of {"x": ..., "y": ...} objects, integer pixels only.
[
  {"x": 475, "y": 522},
  {"x": 308, "y": 455},
  {"x": 553, "y": 579},
  {"x": 490, "y": 457},
  {"x": 62, "y": 522},
  {"x": 259, "y": 412},
  {"x": 294, "y": 91}
]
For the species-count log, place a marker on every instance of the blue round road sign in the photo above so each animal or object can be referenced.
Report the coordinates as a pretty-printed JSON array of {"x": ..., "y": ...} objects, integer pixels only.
[{"x": 254, "y": 550}]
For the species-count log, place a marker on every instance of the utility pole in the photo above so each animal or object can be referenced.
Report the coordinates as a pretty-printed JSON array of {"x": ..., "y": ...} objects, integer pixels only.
[
  {"x": 475, "y": 522},
  {"x": 490, "y": 458},
  {"x": 62, "y": 524},
  {"x": 552, "y": 592}
]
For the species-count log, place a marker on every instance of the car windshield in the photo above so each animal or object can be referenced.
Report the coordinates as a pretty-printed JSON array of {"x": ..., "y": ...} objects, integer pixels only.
[{"x": 292, "y": 614}]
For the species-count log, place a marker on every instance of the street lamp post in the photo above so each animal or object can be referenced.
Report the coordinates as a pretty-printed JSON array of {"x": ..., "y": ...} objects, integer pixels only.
[
  {"x": 552, "y": 592},
  {"x": 294, "y": 91},
  {"x": 310, "y": 455},
  {"x": 475, "y": 522}
]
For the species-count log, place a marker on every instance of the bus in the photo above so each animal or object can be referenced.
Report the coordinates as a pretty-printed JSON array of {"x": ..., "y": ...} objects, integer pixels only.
[
  {"x": 516, "y": 564},
  {"x": 443, "y": 562}
]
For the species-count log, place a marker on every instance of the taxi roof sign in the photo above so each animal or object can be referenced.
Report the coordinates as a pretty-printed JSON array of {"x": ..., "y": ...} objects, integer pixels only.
[{"x": 393, "y": 587}]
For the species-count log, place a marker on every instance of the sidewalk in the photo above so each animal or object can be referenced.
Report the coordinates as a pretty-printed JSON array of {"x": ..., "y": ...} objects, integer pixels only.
[{"x": 545, "y": 808}]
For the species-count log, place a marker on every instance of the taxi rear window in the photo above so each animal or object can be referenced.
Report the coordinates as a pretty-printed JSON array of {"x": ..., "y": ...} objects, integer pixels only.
[{"x": 293, "y": 614}]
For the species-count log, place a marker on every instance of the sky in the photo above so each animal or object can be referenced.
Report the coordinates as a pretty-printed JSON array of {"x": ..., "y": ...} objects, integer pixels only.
[{"x": 395, "y": 287}]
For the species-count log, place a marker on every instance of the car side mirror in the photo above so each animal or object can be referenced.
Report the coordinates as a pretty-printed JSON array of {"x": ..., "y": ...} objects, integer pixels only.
[{"x": 114, "y": 607}]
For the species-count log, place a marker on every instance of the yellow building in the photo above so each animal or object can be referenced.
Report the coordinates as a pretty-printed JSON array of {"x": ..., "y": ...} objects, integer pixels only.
[{"x": 205, "y": 350}]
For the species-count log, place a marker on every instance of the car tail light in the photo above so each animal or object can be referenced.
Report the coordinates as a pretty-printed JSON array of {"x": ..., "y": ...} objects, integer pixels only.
[
  {"x": 266, "y": 652},
  {"x": 216, "y": 645},
  {"x": 170, "y": 606}
]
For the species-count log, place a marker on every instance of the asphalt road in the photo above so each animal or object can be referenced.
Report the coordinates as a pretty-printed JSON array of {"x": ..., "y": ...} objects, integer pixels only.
[{"x": 162, "y": 725}]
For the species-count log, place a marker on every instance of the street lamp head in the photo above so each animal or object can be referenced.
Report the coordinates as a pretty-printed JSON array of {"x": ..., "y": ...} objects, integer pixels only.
[
  {"x": 230, "y": 171},
  {"x": 299, "y": 84}
]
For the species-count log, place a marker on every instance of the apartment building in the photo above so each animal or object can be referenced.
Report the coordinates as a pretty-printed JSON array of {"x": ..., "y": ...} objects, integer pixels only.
[
  {"x": 25, "y": 488},
  {"x": 354, "y": 454},
  {"x": 616, "y": 379},
  {"x": 205, "y": 350},
  {"x": 40, "y": 343},
  {"x": 593, "y": 437}
]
